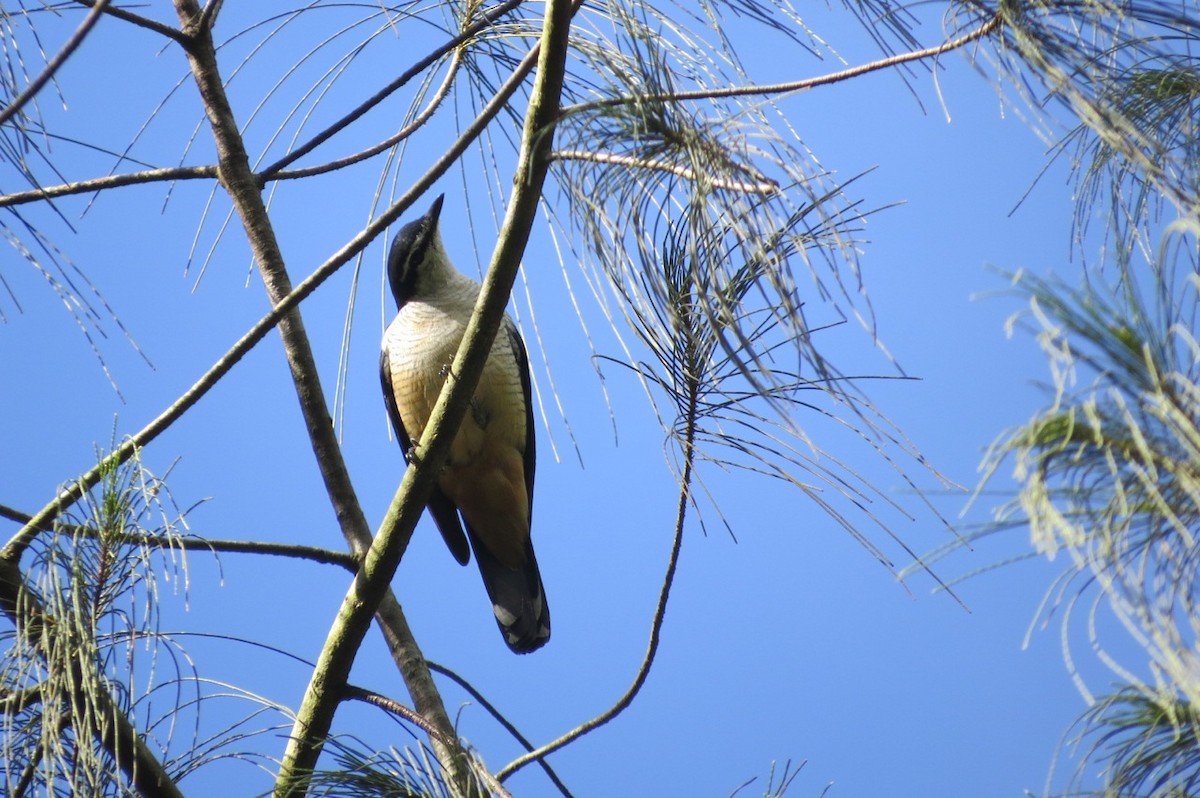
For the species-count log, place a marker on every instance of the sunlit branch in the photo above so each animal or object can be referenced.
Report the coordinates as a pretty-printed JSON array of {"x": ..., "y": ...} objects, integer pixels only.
[
  {"x": 53, "y": 65},
  {"x": 798, "y": 85},
  {"x": 315, "y": 554},
  {"x": 107, "y": 182},
  {"x": 13, "y": 702},
  {"x": 208, "y": 14},
  {"x": 353, "y": 693},
  {"x": 765, "y": 187}
]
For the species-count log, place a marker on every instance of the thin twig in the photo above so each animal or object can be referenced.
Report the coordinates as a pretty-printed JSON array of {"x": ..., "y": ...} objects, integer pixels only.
[
  {"x": 468, "y": 33},
  {"x": 107, "y": 182},
  {"x": 660, "y": 610},
  {"x": 499, "y": 717},
  {"x": 798, "y": 85},
  {"x": 315, "y": 554},
  {"x": 370, "y": 152},
  {"x": 353, "y": 693}
]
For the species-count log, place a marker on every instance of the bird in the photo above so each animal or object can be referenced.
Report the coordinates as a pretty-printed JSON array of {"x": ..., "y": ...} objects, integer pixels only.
[{"x": 482, "y": 501}]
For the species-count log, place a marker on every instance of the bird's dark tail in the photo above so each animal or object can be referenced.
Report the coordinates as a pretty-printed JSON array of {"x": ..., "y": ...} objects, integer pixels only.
[{"x": 518, "y": 598}]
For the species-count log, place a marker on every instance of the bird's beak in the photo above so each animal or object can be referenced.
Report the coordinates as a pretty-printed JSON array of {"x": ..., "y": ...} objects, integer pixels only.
[{"x": 435, "y": 211}]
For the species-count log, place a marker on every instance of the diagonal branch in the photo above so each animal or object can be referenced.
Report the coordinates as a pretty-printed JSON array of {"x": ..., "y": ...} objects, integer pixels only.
[
  {"x": 244, "y": 189},
  {"x": 498, "y": 716},
  {"x": 387, "y": 704}
]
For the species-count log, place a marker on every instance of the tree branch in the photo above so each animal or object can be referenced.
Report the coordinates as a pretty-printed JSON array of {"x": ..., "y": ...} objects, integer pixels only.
[
  {"x": 315, "y": 716},
  {"x": 312, "y": 553},
  {"x": 657, "y": 164},
  {"x": 353, "y": 693},
  {"x": 499, "y": 717},
  {"x": 13, "y": 702}
]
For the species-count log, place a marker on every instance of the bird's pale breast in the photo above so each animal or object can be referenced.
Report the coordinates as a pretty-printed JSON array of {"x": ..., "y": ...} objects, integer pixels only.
[{"x": 484, "y": 474}]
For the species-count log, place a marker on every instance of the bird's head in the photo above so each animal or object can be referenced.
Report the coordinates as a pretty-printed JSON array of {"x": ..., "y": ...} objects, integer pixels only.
[{"x": 417, "y": 256}]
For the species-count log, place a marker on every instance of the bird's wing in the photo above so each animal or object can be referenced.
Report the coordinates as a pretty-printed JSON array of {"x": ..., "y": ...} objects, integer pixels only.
[
  {"x": 517, "y": 594},
  {"x": 444, "y": 513},
  {"x": 530, "y": 453}
]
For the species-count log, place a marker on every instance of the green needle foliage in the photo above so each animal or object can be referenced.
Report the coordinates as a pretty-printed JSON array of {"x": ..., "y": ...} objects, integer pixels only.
[
  {"x": 1110, "y": 470},
  {"x": 1147, "y": 742},
  {"x": 84, "y": 657},
  {"x": 702, "y": 216},
  {"x": 1109, "y": 474}
]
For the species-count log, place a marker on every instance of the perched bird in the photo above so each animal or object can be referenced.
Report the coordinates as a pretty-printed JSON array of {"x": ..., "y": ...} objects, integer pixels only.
[{"x": 488, "y": 476}]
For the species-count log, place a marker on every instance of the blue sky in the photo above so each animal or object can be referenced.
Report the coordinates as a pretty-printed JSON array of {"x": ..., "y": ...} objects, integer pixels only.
[{"x": 790, "y": 644}]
